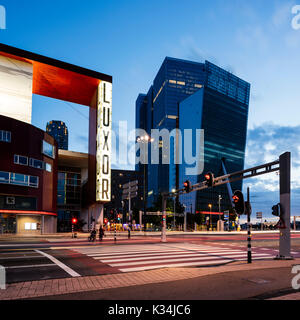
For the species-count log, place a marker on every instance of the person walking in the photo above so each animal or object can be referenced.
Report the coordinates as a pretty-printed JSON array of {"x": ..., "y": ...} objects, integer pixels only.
[
  {"x": 101, "y": 233},
  {"x": 128, "y": 232}
]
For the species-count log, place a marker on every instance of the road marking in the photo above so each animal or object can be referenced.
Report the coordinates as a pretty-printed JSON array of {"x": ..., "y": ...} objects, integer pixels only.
[
  {"x": 60, "y": 264},
  {"x": 163, "y": 255},
  {"x": 178, "y": 260},
  {"x": 32, "y": 266},
  {"x": 23, "y": 257},
  {"x": 178, "y": 265}
]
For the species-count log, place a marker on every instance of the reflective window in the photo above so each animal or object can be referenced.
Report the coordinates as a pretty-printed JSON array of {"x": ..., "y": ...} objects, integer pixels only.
[
  {"x": 48, "y": 167},
  {"x": 21, "y": 160},
  {"x": 48, "y": 150},
  {"x": 19, "y": 179},
  {"x": 5, "y": 136},
  {"x": 33, "y": 181},
  {"x": 38, "y": 164},
  {"x": 4, "y": 177}
]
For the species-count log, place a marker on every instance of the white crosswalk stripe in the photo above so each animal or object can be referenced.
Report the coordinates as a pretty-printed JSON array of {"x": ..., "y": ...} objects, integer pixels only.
[{"x": 130, "y": 258}]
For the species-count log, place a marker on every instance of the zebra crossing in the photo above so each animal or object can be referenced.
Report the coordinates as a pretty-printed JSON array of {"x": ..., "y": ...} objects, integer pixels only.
[{"x": 131, "y": 258}]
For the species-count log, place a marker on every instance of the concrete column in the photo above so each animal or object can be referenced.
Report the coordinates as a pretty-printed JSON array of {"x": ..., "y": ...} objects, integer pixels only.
[{"x": 285, "y": 201}]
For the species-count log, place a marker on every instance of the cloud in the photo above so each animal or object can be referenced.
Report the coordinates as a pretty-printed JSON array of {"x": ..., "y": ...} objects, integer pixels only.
[
  {"x": 282, "y": 14},
  {"x": 265, "y": 144}
]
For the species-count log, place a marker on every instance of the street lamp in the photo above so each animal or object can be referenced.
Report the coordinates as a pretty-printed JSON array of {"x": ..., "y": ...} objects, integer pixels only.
[
  {"x": 220, "y": 198},
  {"x": 174, "y": 191},
  {"x": 210, "y": 207}
]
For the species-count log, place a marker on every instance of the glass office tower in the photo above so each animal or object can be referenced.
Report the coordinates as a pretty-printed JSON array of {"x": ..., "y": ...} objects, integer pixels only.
[
  {"x": 176, "y": 81},
  {"x": 59, "y": 131},
  {"x": 220, "y": 108}
]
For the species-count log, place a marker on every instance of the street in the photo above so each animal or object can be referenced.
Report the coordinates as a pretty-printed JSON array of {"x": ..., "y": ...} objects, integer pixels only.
[{"x": 42, "y": 259}]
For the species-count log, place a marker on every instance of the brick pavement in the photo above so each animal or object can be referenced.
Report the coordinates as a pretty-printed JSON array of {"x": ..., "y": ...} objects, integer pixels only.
[{"x": 52, "y": 287}]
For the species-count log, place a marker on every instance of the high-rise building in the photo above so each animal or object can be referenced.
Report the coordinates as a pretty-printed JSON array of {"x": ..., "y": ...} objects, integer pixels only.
[
  {"x": 59, "y": 131},
  {"x": 176, "y": 81},
  {"x": 220, "y": 109}
]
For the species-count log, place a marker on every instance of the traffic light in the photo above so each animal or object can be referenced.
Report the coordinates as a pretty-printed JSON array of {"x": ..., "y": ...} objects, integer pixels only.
[
  {"x": 105, "y": 220},
  {"x": 277, "y": 210},
  {"x": 74, "y": 220},
  {"x": 239, "y": 203},
  {"x": 164, "y": 218},
  {"x": 187, "y": 186},
  {"x": 209, "y": 178},
  {"x": 119, "y": 217}
]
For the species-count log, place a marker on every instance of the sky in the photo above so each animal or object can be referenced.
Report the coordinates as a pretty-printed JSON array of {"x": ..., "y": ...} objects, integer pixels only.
[{"x": 129, "y": 40}]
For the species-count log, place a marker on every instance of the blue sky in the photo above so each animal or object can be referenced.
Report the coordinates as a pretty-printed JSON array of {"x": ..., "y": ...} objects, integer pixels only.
[{"x": 129, "y": 40}]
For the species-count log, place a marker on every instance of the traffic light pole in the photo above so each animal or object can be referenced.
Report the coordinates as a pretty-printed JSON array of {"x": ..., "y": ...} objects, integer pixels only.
[
  {"x": 285, "y": 201},
  {"x": 248, "y": 208},
  {"x": 164, "y": 219}
]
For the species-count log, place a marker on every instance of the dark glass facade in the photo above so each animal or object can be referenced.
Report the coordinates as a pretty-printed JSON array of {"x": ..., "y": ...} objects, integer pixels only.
[
  {"x": 68, "y": 196},
  {"x": 226, "y": 96},
  {"x": 221, "y": 110},
  {"x": 59, "y": 131}
]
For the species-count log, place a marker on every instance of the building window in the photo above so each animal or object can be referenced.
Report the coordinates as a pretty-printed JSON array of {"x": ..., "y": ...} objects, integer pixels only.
[
  {"x": 33, "y": 181},
  {"x": 38, "y": 164},
  {"x": 30, "y": 226},
  {"x": 48, "y": 167},
  {"x": 48, "y": 150},
  {"x": 21, "y": 160},
  {"x": 19, "y": 179},
  {"x": 4, "y": 177},
  {"x": 5, "y": 136}
]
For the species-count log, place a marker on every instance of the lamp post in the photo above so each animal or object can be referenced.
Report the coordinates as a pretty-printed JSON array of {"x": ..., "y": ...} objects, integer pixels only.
[
  {"x": 174, "y": 191},
  {"x": 210, "y": 207}
]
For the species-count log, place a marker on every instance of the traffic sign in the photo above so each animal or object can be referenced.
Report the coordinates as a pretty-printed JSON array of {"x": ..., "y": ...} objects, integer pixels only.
[
  {"x": 131, "y": 189},
  {"x": 259, "y": 215},
  {"x": 226, "y": 215},
  {"x": 130, "y": 184},
  {"x": 131, "y": 195}
]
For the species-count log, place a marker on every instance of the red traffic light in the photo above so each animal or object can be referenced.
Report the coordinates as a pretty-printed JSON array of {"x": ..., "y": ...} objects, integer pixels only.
[
  {"x": 105, "y": 220},
  {"x": 74, "y": 220},
  {"x": 187, "y": 186},
  {"x": 236, "y": 199},
  {"x": 239, "y": 203},
  {"x": 209, "y": 178}
]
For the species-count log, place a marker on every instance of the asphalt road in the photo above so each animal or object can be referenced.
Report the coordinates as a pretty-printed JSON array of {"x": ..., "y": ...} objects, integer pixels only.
[{"x": 35, "y": 259}]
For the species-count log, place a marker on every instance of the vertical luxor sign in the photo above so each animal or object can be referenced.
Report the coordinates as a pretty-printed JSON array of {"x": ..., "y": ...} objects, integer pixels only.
[{"x": 103, "y": 154}]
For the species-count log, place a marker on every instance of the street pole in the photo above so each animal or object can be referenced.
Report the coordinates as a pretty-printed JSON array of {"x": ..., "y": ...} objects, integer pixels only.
[
  {"x": 174, "y": 214},
  {"x": 248, "y": 208},
  {"x": 145, "y": 197},
  {"x": 220, "y": 198},
  {"x": 164, "y": 218},
  {"x": 115, "y": 234},
  {"x": 285, "y": 201}
]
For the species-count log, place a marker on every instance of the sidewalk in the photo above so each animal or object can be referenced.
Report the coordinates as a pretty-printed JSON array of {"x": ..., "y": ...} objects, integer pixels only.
[{"x": 53, "y": 287}]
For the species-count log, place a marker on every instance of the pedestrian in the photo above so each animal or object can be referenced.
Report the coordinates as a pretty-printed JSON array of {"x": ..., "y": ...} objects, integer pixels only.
[
  {"x": 101, "y": 233},
  {"x": 128, "y": 232}
]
